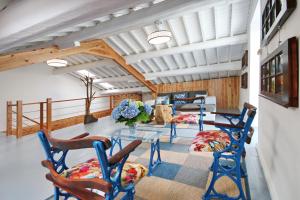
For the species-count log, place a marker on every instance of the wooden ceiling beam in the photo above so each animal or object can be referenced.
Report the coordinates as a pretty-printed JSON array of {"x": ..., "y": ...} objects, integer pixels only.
[
  {"x": 16, "y": 60},
  {"x": 94, "y": 47},
  {"x": 122, "y": 62}
]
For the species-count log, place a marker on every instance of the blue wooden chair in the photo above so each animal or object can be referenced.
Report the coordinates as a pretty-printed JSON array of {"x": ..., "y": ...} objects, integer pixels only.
[
  {"x": 199, "y": 107},
  {"x": 228, "y": 149},
  {"x": 110, "y": 169}
]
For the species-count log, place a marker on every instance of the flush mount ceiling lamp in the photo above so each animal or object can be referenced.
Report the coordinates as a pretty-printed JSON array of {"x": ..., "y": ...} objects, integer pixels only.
[
  {"x": 160, "y": 36},
  {"x": 57, "y": 63}
]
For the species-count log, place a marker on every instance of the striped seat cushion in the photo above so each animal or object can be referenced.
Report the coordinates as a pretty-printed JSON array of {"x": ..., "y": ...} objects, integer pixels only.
[{"x": 132, "y": 172}]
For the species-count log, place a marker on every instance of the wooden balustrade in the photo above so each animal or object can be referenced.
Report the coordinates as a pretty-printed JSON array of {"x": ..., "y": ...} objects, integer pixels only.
[
  {"x": 45, "y": 121},
  {"x": 9, "y": 119},
  {"x": 49, "y": 115},
  {"x": 19, "y": 119},
  {"x": 41, "y": 116}
]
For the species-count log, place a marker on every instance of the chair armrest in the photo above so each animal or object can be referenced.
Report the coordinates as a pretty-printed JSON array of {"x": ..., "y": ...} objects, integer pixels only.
[
  {"x": 79, "y": 142},
  {"x": 224, "y": 113},
  {"x": 77, "y": 187},
  {"x": 213, "y": 123},
  {"x": 81, "y": 136},
  {"x": 124, "y": 152},
  {"x": 92, "y": 183}
]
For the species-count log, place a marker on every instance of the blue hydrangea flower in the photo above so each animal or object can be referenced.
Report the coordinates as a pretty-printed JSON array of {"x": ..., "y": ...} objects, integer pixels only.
[
  {"x": 148, "y": 109},
  {"x": 116, "y": 113},
  {"x": 130, "y": 111},
  {"x": 123, "y": 103}
]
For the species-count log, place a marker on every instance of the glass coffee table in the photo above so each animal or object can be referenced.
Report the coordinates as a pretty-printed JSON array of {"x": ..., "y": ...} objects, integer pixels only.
[{"x": 146, "y": 135}]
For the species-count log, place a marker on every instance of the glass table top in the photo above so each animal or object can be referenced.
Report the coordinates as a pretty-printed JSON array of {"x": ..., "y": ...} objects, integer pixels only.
[{"x": 144, "y": 134}]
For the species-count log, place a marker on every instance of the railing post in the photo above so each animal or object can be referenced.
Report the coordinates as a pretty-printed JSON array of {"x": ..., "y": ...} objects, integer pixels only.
[
  {"x": 111, "y": 102},
  {"x": 9, "y": 118},
  {"x": 41, "y": 115},
  {"x": 49, "y": 114},
  {"x": 19, "y": 119}
]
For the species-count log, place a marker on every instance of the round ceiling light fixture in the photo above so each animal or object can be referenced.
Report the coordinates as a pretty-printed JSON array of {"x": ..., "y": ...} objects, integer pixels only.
[
  {"x": 160, "y": 36},
  {"x": 57, "y": 63}
]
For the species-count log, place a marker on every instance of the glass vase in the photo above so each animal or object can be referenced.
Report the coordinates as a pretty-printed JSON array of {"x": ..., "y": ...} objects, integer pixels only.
[{"x": 132, "y": 129}]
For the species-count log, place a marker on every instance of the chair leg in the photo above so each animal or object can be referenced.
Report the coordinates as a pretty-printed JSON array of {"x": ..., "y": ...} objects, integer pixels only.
[
  {"x": 155, "y": 147},
  {"x": 211, "y": 166},
  {"x": 240, "y": 187},
  {"x": 175, "y": 131},
  {"x": 56, "y": 193},
  {"x": 129, "y": 195},
  {"x": 244, "y": 174},
  {"x": 114, "y": 142},
  {"x": 237, "y": 172},
  {"x": 210, "y": 188},
  {"x": 172, "y": 132}
]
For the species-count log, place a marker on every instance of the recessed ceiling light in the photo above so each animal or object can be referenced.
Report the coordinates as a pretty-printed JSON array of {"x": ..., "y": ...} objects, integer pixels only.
[
  {"x": 121, "y": 13},
  {"x": 57, "y": 63},
  {"x": 106, "y": 85},
  {"x": 86, "y": 73},
  {"x": 157, "y": 1},
  {"x": 140, "y": 6},
  {"x": 104, "y": 18}
]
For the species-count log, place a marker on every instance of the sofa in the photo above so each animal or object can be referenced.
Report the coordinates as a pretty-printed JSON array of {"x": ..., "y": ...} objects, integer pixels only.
[{"x": 191, "y": 106}]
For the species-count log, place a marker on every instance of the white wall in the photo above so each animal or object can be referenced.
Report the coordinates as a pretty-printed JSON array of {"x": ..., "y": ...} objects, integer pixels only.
[
  {"x": 245, "y": 93},
  {"x": 36, "y": 83},
  {"x": 279, "y": 132}
]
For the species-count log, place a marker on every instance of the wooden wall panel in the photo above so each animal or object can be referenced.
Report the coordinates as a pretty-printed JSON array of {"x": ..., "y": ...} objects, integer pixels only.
[
  {"x": 118, "y": 98},
  {"x": 226, "y": 90}
]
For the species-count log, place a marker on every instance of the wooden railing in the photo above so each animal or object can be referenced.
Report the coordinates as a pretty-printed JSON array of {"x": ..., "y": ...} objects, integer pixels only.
[{"x": 27, "y": 118}]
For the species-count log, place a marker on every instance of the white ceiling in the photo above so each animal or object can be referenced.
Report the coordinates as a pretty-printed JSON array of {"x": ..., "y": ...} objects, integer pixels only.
[
  {"x": 209, "y": 38},
  {"x": 104, "y": 69}
]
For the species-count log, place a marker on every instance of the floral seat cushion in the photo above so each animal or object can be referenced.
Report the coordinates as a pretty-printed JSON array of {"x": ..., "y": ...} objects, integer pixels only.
[
  {"x": 132, "y": 172},
  {"x": 186, "y": 119},
  {"x": 210, "y": 141}
]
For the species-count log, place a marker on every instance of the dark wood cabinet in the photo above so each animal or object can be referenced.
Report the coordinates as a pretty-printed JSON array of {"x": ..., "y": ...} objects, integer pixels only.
[
  {"x": 245, "y": 60},
  {"x": 279, "y": 74},
  {"x": 244, "y": 80},
  {"x": 274, "y": 14}
]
